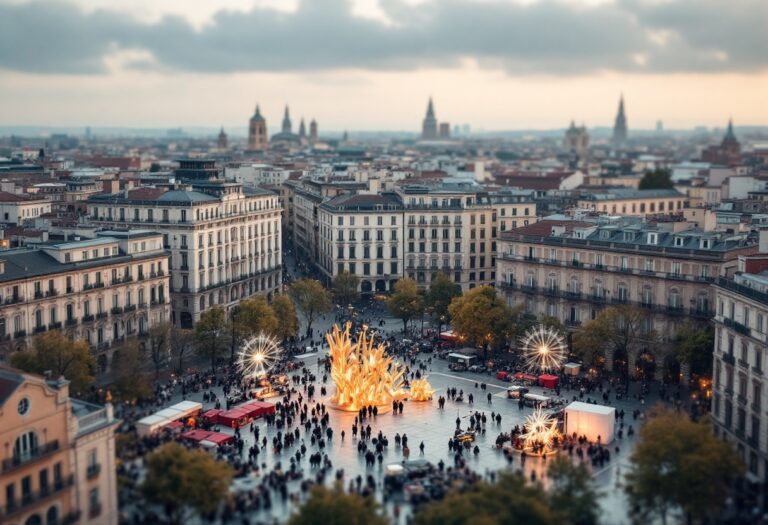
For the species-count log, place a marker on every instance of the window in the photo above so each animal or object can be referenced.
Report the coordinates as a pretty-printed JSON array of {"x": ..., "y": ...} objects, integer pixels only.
[
  {"x": 26, "y": 446},
  {"x": 23, "y": 406}
]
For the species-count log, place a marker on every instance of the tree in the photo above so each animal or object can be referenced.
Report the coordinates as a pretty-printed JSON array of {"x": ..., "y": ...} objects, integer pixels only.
[
  {"x": 405, "y": 303},
  {"x": 336, "y": 507},
  {"x": 658, "y": 179},
  {"x": 345, "y": 287},
  {"x": 694, "y": 345},
  {"x": 510, "y": 500},
  {"x": 572, "y": 491},
  {"x": 441, "y": 292},
  {"x": 211, "y": 335},
  {"x": 128, "y": 374},
  {"x": 679, "y": 464},
  {"x": 55, "y": 353},
  {"x": 311, "y": 298},
  {"x": 483, "y": 319},
  {"x": 181, "y": 341},
  {"x": 251, "y": 317},
  {"x": 183, "y": 480},
  {"x": 553, "y": 322},
  {"x": 158, "y": 345},
  {"x": 287, "y": 322},
  {"x": 617, "y": 330}
]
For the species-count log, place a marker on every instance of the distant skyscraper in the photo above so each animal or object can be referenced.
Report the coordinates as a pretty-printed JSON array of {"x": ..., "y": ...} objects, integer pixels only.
[
  {"x": 620, "y": 126},
  {"x": 429, "y": 126},
  {"x": 313, "y": 131},
  {"x": 222, "y": 139},
  {"x": 257, "y": 132},
  {"x": 659, "y": 126},
  {"x": 445, "y": 130},
  {"x": 465, "y": 129},
  {"x": 287, "y": 126}
]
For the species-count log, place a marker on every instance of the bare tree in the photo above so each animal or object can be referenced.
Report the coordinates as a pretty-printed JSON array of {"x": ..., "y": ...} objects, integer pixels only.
[{"x": 181, "y": 343}]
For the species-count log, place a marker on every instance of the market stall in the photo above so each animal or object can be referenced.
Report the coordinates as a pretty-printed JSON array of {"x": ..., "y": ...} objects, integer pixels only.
[
  {"x": 548, "y": 381},
  {"x": 596, "y": 422}
]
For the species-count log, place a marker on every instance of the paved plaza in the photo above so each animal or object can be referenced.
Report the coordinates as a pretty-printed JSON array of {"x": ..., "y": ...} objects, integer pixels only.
[{"x": 424, "y": 421}]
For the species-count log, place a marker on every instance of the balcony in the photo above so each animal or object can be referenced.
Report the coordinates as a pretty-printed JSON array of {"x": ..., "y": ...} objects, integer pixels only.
[
  {"x": 740, "y": 328},
  {"x": 116, "y": 310},
  {"x": 743, "y": 364},
  {"x": 51, "y": 293},
  {"x": 31, "y": 498},
  {"x": 98, "y": 284},
  {"x": 675, "y": 310},
  {"x": 94, "y": 510},
  {"x": 71, "y": 322},
  {"x": 93, "y": 471},
  {"x": 87, "y": 318},
  {"x": 130, "y": 308},
  {"x": 40, "y": 329},
  {"x": 101, "y": 315},
  {"x": 14, "y": 299},
  {"x": 54, "y": 326},
  {"x": 70, "y": 289},
  {"x": 729, "y": 358},
  {"x": 38, "y": 295},
  {"x": 20, "y": 334},
  {"x": 38, "y": 453}
]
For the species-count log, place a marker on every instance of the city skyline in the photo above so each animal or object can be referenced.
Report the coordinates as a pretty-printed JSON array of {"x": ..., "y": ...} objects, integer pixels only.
[{"x": 154, "y": 67}]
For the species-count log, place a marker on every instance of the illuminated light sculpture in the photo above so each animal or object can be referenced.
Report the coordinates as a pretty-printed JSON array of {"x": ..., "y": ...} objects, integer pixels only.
[
  {"x": 540, "y": 433},
  {"x": 421, "y": 390},
  {"x": 543, "y": 349},
  {"x": 362, "y": 372},
  {"x": 258, "y": 356}
]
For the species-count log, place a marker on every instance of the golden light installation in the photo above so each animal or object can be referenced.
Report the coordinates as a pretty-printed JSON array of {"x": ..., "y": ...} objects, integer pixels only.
[
  {"x": 258, "y": 356},
  {"x": 362, "y": 372},
  {"x": 543, "y": 349},
  {"x": 540, "y": 433},
  {"x": 421, "y": 390}
]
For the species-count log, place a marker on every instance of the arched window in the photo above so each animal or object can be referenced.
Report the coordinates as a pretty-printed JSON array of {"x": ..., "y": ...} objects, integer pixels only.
[
  {"x": 52, "y": 516},
  {"x": 34, "y": 519},
  {"x": 26, "y": 446}
]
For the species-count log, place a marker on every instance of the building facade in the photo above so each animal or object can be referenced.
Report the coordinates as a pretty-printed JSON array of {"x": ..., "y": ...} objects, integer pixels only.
[
  {"x": 633, "y": 203},
  {"x": 257, "y": 132},
  {"x": 224, "y": 240},
  {"x": 572, "y": 269},
  {"x": 740, "y": 382},
  {"x": 58, "y": 457},
  {"x": 99, "y": 290}
]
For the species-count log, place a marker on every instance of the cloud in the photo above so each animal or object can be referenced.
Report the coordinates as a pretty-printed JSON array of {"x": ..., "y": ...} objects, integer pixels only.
[{"x": 546, "y": 36}]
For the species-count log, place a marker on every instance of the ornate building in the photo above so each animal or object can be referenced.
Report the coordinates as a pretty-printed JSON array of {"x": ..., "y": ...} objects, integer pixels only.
[
  {"x": 571, "y": 269},
  {"x": 620, "y": 126},
  {"x": 224, "y": 239},
  {"x": 728, "y": 153},
  {"x": 286, "y": 137},
  {"x": 257, "y": 132},
  {"x": 313, "y": 131},
  {"x": 576, "y": 140},
  {"x": 58, "y": 456},
  {"x": 429, "y": 126},
  {"x": 222, "y": 140}
]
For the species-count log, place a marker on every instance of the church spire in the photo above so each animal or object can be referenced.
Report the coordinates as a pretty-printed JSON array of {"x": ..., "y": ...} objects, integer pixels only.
[
  {"x": 430, "y": 109},
  {"x": 287, "y": 121},
  {"x": 620, "y": 125}
]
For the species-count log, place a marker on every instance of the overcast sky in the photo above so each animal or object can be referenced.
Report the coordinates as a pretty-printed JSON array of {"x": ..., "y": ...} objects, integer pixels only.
[{"x": 368, "y": 64}]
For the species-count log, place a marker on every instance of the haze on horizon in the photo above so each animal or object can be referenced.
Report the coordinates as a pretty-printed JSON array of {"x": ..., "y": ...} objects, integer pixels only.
[{"x": 372, "y": 64}]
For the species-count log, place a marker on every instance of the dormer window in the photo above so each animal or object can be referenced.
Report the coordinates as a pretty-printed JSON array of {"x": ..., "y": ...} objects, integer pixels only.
[
  {"x": 629, "y": 236},
  {"x": 706, "y": 244},
  {"x": 653, "y": 238},
  {"x": 605, "y": 234},
  {"x": 678, "y": 241}
]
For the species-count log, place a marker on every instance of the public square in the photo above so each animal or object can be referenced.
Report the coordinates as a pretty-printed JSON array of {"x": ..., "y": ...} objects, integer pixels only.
[{"x": 421, "y": 422}]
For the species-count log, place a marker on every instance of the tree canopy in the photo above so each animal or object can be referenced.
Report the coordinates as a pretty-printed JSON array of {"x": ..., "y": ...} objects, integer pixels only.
[
  {"x": 181, "y": 342},
  {"x": 441, "y": 292},
  {"x": 287, "y": 322},
  {"x": 336, "y": 507},
  {"x": 616, "y": 330},
  {"x": 183, "y": 480},
  {"x": 679, "y": 465},
  {"x": 61, "y": 356},
  {"x": 510, "y": 500},
  {"x": 658, "y": 179},
  {"x": 694, "y": 345},
  {"x": 406, "y": 302},
  {"x": 572, "y": 492},
  {"x": 211, "y": 335},
  {"x": 345, "y": 287},
  {"x": 482, "y": 318},
  {"x": 130, "y": 384},
  {"x": 254, "y": 316},
  {"x": 311, "y": 299}
]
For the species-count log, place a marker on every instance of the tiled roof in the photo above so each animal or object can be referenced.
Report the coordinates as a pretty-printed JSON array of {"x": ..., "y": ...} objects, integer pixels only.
[{"x": 544, "y": 228}]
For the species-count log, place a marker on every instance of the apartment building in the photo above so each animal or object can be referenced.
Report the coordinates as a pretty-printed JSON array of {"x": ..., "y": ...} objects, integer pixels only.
[
  {"x": 22, "y": 210},
  {"x": 633, "y": 203},
  {"x": 100, "y": 290},
  {"x": 570, "y": 269},
  {"x": 416, "y": 232},
  {"x": 224, "y": 240},
  {"x": 58, "y": 455},
  {"x": 740, "y": 382}
]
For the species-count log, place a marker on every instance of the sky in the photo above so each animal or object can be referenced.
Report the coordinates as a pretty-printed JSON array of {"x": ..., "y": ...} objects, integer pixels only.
[{"x": 373, "y": 64}]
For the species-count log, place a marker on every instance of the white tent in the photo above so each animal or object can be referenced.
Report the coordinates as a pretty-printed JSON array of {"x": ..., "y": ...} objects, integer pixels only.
[
  {"x": 590, "y": 420},
  {"x": 150, "y": 424}
]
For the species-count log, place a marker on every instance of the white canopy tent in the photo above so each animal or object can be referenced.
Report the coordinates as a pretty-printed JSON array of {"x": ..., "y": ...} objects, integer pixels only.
[{"x": 591, "y": 421}]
